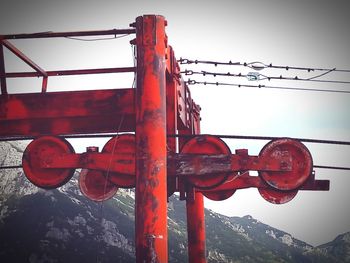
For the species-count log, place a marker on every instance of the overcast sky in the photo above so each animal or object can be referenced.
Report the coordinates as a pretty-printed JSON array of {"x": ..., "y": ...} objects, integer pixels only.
[{"x": 293, "y": 33}]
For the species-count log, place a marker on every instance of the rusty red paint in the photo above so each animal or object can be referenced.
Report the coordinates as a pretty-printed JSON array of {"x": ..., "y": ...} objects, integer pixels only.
[
  {"x": 151, "y": 163},
  {"x": 117, "y": 162},
  {"x": 196, "y": 229},
  {"x": 95, "y": 185},
  {"x": 123, "y": 144},
  {"x": 277, "y": 197},
  {"x": 171, "y": 112},
  {"x": 245, "y": 180},
  {"x": 195, "y": 166},
  {"x": 206, "y": 144},
  {"x": 196, "y": 236},
  {"x": 74, "y": 112},
  {"x": 46, "y": 148},
  {"x": 219, "y": 195},
  {"x": 295, "y": 156}
]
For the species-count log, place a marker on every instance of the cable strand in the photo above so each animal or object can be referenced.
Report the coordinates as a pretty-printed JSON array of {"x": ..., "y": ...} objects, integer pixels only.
[
  {"x": 97, "y": 39},
  {"x": 257, "y": 65},
  {"x": 259, "y": 76},
  {"x": 194, "y": 82}
]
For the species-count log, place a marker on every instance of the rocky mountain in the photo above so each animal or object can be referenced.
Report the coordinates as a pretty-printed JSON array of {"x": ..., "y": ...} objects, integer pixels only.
[
  {"x": 62, "y": 225},
  {"x": 338, "y": 249}
]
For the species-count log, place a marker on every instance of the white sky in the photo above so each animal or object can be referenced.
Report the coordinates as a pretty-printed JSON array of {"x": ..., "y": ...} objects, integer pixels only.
[{"x": 294, "y": 33}]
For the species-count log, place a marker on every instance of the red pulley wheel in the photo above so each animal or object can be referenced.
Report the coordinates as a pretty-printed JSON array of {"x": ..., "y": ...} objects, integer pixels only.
[
  {"x": 43, "y": 150},
  {"x": 277, "y": 197},
  {"x": 206, "y": 144},
  {"x": 95, "y": 186},
  {"x": 219, "y": 195},
  {"x": 124, "y": 143},
  {"x": 295, "y": 153}
]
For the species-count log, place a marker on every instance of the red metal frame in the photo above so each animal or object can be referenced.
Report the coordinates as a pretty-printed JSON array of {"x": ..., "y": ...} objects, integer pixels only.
[
  {"x": 70, "y": 72},
  {"x": 160, "y": 105},
  {"x": 39, "y": 72},
  {"x": 28, "y": 61}
]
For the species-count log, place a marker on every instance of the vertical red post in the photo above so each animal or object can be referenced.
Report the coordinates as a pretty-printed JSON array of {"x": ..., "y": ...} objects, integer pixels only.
[
  {"x": 195, "y": 217},
  {"x": 196, "y": 229},
  {"x": 151, "y": 156}
]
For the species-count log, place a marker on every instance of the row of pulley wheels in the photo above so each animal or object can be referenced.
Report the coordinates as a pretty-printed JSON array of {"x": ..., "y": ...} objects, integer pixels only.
[{"x": 97, "y": 185}]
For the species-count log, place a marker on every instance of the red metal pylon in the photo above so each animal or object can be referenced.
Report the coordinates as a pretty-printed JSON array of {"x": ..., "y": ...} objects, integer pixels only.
[{"x": 151, "y": 152}]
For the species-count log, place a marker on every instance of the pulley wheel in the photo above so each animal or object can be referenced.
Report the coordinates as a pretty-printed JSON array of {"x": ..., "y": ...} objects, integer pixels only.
[
  {"x": 45, "y": 149},
  {"x": 206, "y": 144},
  {"x": 124, "y": 143},
  {"x": 296, "y": 154},
  {"x": 219, "y": 195},
  {"x": 277, "y": 197},
  {"x": 95, "y": 186}
]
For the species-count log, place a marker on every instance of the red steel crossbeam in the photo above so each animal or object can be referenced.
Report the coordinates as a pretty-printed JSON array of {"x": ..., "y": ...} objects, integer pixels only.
[
  {"x": 178, "y": 164},
  {"x": 73, "y": 112},
  {"x": 202, "y": 164},
  {"x": 247, "y": 181}
]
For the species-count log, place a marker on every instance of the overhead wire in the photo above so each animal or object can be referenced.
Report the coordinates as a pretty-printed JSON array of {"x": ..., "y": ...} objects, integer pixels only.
[
  {"x": 245, "y": 137},
  {"x": 194, "y": 82},
  {"x": 106, "y": 135},
  {"x": 258, "y": 76},
  {"x": 10, "y": 167},
  {"x": 97, "y": 39},
  {"x": 6, "y": 167},
  {"x": 257, "y": 65},
  {"x": 263, "y": 138},
  {"x": 332, "y": 167},
  {"x": 98, "y": 255}
]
